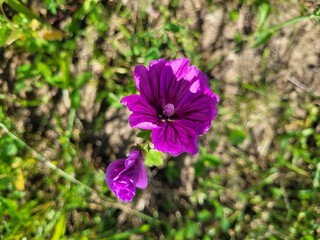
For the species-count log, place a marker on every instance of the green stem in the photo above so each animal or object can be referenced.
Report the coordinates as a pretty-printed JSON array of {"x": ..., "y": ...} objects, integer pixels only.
[
  {"x": 65, "y": 175},
  {"x": 71, "y": 117},
  {"x": 289, "y": 22},
  {"x": 317, "y": 177},
  {"x": 20, "y": 8}
]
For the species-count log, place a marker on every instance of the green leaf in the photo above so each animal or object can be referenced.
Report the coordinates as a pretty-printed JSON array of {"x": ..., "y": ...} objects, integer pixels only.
[
  {"x": 212, "y": 160},
  {"x": 205, "y": 160},
  {"x": 4, "y": 182},
  {"x": 204, "y": 215},
  {"x": 191, "y": 230},
  {"x": 44, "y": 69},
  {"x": 145, "y": 134},
  {"x": 237, "y": 136},
  {"x": 225, "y": 224},
  {"x": 261, "y": 38},
  {"x": 51, "y": 4},
  {"x": 234, "y": 15},
  {"x": 60, "y": 228},
  {"x": 152, "y": 53},
  {"x": 65, "y": 69},
  {"x": 75, "y": 99},
  {"x": 307, "y": 132},
  {"x": 10, "y": 206},
  {"x": 20, "y": 8},
  {"x": 4, "y": 33},
  {"x": 12, "y": 149},
  {"x": 114, "y": 100},
  {"x": 83, "y": 79},
  {"x": 136, "y": 49},
  {"x": 153, "y": 158},
  {"x": 316, "y": 180},
  {"x": 264, "y": 12},
  {"x": 199, "y": 168},
  {"x": 172, "y": 27},
  {"x": 238, "y": 38},
  {"x": 145, "y": 228}
]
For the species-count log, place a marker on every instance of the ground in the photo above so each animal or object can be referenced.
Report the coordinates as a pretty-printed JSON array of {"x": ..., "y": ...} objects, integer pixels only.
[{"x": 257, "y": 173}]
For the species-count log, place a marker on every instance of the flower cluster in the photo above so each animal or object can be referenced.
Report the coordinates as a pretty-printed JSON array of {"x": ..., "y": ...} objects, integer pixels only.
[{"x": 176, "y": 104}]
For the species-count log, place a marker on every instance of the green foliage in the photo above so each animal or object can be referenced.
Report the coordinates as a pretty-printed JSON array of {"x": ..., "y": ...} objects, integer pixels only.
[
  {"x": 153, "y": 158},
  {"x": 145, "y": 134},
  {"x": 263, "y": 14},
  {"x": 205, "y": 161},
  {"x": 237, "y": 136},
  {"x": 53, "y": 4},
  {"x": 233, "y": 191},
  {"x": 4, "y": 32},
  {"x": 264, "y": 31},
  {"x": 21, "y": 9}
]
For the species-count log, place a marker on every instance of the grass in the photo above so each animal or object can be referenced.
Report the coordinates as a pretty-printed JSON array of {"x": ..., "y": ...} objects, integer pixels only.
[{"x": 66, "y": 65}]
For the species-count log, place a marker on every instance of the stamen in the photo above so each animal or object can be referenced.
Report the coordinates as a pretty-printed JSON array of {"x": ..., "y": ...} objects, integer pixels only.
[{"x": 168, "y": 110}]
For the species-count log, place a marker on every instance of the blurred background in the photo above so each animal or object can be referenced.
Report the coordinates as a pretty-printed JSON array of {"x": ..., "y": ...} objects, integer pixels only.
[{"x": 64, "y": 66}]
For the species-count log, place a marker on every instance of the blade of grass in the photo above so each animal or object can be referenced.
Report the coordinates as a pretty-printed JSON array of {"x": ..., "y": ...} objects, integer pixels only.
[
  {"x": 317, "y": 177},
  {"x": 20, "y": 8},
  {"x": 289, "y": 22}
]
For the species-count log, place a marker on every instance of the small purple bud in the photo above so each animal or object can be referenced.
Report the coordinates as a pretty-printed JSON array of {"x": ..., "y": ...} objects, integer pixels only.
[{"x": 123, "y": 176}]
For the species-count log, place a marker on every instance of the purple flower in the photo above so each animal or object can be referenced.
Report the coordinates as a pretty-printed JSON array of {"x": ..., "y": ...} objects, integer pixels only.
[
  {"x": 123, "y": 176},
  {"x": 175, "y": 103}
]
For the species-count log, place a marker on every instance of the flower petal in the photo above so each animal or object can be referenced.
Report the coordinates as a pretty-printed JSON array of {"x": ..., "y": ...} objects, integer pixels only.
[
  {"x": 180, "y": 67},
  {"x": 182, "y": 70},
  {"x": 148, "y": 81},
  {"x": 142, "y": 178},
  {"x": 119, "y": 183},
  {"x": 205, "y": 83},
  {"x": 176, "y": 137},
  {"x": 144, "y": 116},
  {"x": 123, "y": 176},
  {"x": 199, "y": 104},
  {"x": 113, "y": 170},
  {"x": 191, "y": 74},
  {"x": 155, "y": 69},
  {"x": 140, "y": 72},
  {"x": 124, "y": 190},
  {"x": 177, "y": 77},
  {"x": 135, "y": 169},
  {"x": 199, "y": 109},
  {"x": 172, "y": 90},
  {"x": 133, "y": 156}
]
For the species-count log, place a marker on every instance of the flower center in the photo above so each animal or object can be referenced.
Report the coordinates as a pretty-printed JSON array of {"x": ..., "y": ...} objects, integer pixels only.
[{"x": 168, "y": 110}]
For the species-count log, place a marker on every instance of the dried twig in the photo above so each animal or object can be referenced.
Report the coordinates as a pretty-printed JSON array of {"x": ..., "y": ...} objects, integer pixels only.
[{"x": 303, "y": 86}]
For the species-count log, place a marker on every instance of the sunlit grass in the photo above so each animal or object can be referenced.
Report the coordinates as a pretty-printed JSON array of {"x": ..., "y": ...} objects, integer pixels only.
[{"x": 65, "y": 68}]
